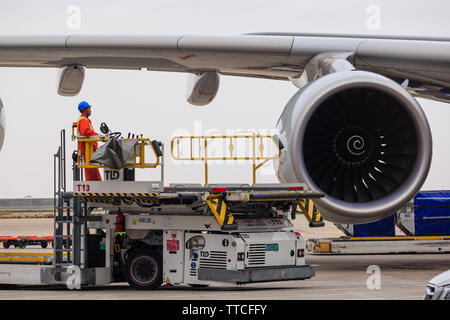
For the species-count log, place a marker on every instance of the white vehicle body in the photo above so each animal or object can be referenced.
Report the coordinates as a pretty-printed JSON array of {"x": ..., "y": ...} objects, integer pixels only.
[
  {"x": 260, "y": 250},
  {"x": 438, "y": 288},
  {"x": 189, "y": 244},
  {"x": 194, "y": 250}
]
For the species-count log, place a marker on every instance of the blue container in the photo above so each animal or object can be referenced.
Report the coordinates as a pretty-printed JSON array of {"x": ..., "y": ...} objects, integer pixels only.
[
  {"x": 432, "y": 213},
  {"x": 380, "y": 228}
]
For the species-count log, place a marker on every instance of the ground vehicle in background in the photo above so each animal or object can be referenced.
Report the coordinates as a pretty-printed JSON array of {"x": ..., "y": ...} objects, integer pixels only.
[
  {"x": 22, "y": 241},
  {"x": 438, "y": 288}
]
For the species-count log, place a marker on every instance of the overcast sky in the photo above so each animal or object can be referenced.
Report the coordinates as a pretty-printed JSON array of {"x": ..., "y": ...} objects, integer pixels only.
[{"x": 153, "y": 103}]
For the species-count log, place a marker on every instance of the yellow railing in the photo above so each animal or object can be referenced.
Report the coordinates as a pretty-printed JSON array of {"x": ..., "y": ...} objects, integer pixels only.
[
  {"x": 201, "y": 143},
  {"x": 139, "y": 152}
]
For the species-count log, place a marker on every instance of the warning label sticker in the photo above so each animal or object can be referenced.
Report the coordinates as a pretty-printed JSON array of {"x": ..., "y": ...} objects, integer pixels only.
[{"x": 173, "y": 245}]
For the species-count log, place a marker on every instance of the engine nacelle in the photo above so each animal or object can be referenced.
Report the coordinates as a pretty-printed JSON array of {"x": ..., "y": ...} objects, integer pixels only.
[
  {"x": 2, "y": 124},
  {"x": 360, "y": 138}
]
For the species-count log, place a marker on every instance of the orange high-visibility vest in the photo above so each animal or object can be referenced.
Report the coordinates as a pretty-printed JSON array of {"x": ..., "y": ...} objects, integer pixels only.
[{"x": 85, "y": 130}]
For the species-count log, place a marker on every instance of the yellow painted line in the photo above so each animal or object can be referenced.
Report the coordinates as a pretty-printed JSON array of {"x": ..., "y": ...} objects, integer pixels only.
[
  {"x": 28, "y": 254},
  {"x": 42, "y": 259},
  {"x": 282, "y": 199}
]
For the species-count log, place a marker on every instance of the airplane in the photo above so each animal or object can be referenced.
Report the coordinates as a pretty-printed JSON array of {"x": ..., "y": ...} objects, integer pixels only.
[{"x": 353, "y": 130}]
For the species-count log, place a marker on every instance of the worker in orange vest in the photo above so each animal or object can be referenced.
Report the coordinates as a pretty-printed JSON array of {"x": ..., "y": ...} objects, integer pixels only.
[{"x": 84, "y": 128}]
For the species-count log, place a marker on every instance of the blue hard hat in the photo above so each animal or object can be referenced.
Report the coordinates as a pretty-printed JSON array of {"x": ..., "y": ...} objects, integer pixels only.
[{"x": 83, "y": 105}]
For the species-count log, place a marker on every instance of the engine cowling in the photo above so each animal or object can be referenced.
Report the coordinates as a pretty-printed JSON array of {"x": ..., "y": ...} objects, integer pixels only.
[
  {"x": 361, "y": 139},
  {"x": 2, "y": 124}
]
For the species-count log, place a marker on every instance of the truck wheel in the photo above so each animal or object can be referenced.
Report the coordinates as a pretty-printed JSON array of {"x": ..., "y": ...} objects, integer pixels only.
[
  {"x": 6, "y": 244},
  {"x": 143, "y": 269},
  {"x": 44, "y": 244},
  {"x": 22, "y": 244}
]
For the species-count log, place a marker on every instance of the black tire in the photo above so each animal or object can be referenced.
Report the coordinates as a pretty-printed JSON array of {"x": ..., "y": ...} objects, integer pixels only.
[
  {"x": 22, "y": 244},
  {"x": 44, "y": 244},
  {"x": 6, "y": 244},
  {"x": 143, "y": 269}
]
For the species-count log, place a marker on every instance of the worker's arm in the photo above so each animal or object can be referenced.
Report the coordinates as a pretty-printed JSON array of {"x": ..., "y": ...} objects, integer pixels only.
[{"x": 85, "y": 128}]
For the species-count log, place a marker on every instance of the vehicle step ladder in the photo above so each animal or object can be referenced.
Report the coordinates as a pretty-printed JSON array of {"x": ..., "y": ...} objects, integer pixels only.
[{"x": 69, "y": 226}]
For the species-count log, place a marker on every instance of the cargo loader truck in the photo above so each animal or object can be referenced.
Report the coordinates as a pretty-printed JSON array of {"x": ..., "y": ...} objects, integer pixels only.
[{"x": 149, "y": 234}]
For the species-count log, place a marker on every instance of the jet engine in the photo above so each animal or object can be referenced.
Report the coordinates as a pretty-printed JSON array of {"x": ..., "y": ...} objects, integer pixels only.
[
  {"x": 2, "y": 124},
  {"x": 361, "y": 139}
]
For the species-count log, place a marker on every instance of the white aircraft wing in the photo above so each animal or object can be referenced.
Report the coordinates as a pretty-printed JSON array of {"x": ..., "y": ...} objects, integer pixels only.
[
  {"x": 425, "y": 62},
  {"x": 350, "y": 132}
]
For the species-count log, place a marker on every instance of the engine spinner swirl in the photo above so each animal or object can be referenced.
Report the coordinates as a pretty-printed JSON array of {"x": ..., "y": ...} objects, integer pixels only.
[{"x": 352, "y": 145}]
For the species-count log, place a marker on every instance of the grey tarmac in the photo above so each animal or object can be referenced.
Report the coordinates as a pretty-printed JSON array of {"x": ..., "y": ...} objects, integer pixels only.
[
  {"x": 402, "y": 277},
  {"x": 338, "y": 277}
]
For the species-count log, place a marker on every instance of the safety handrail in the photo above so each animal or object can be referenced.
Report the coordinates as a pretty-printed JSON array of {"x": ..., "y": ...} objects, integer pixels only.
[
  {"x": 139, "y": 151},
  {"x": 201, "y": 143}
]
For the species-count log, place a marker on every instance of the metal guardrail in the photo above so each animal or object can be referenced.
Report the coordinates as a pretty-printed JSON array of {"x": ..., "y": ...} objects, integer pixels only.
[
  {"x": 139, "y": 152},
  {"x": 200, "y": 143}
]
